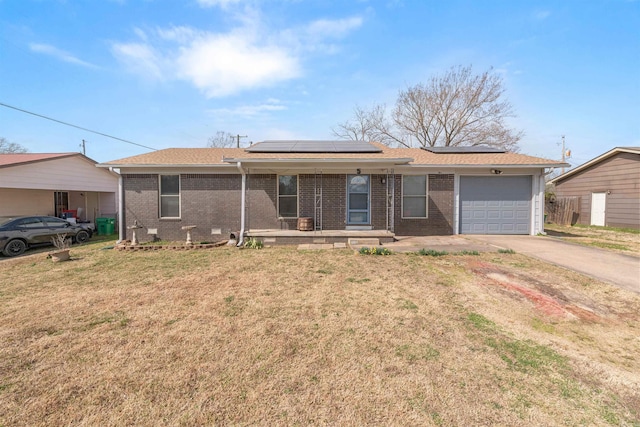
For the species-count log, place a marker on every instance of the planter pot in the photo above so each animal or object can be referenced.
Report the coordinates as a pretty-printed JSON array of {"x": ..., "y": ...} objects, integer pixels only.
[{"x": 58, "y": 256}]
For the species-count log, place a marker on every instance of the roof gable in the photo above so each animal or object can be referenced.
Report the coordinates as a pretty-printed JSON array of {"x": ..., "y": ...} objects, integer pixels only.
[
  {"x": 14, "y": 159},
  {"x": 595, "y": 161}
]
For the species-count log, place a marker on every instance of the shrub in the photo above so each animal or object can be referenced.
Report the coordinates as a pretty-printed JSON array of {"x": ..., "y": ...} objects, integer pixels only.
[
  {"x": 253, "y": 243},
  {"x": 432, "y": 252},
  {"x": 374, "y": 251},
  {"x": 465, "y": 252}
]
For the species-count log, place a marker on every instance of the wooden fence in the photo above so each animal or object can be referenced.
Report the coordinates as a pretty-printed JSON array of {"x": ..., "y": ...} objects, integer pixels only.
[{"x": 563, "y": 210}]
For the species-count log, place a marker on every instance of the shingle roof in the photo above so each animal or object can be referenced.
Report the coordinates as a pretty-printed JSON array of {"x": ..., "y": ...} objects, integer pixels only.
[
  {"x": 13, "y": 159},
  {"x": 222, "y": 156},
  {"x": 295, "y": 146}
]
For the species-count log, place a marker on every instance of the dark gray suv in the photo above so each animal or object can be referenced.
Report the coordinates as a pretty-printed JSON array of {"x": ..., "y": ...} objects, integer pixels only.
[{"x": 20, "y": 233}]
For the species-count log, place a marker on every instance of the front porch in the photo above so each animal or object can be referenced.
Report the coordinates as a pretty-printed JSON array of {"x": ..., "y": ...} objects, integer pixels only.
[{"x": 296, "y": 237}]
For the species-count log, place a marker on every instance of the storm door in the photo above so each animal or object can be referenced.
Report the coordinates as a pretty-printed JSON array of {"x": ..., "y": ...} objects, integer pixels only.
[
  {"x": 357, "y": 199},
  {"x": 60, "y": 202}
]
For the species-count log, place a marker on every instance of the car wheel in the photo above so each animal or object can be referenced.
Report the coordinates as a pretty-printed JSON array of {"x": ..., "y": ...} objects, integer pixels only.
[
  {"x": 82, "y": 236},
  {"x": 15, "y": 247}
]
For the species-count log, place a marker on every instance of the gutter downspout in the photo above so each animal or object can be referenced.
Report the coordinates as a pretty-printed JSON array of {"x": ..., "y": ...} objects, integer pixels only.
[
  {"x": 242, "y": 204},
  {"x": 121, "y": 225},
  {"x": 543, "y": 199}
]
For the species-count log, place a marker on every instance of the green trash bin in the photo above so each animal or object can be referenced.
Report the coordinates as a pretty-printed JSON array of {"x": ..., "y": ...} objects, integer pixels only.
[
  {"x": 110, "y": 226},
  {"x": 105, "y": 226}
]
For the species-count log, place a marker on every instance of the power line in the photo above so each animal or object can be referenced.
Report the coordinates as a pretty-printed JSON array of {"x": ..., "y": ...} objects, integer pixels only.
[{"x": 77, "y": 127}]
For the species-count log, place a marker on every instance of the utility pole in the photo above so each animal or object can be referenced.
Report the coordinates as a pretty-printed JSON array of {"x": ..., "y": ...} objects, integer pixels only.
[
  {"x": 565, "y": 153},
  {"x": 84, "y": 148},
  {"x": 237, "y": 138}
]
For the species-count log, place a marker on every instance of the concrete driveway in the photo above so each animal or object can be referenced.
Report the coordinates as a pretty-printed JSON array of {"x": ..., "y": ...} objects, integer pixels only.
[{"x": 618, "y": 269}]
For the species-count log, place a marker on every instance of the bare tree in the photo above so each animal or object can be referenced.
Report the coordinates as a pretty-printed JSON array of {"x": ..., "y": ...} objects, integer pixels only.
[
  {"x": 366, "y": 125},
  {"x": 457, "y": 108},
  {"x": 7, "y": 147},
  {"x": 221, "y": 140}
]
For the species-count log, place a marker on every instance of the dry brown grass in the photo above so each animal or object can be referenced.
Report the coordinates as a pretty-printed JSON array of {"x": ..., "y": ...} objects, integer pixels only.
[
  {"x": 283, "y": 337},
  {"x": 625, "y": 241}
]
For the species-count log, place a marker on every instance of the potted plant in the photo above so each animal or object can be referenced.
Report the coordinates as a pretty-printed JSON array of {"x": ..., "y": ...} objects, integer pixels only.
[{"x": 62, "y": 245}]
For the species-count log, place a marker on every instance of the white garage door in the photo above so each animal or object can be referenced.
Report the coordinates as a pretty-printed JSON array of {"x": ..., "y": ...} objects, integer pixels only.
[{"x": 495, "y": 204}]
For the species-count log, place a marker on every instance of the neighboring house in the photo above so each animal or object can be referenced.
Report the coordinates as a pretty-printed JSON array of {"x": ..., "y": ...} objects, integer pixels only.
[
  {"x": 340, "y": 188},
  {"x": 608, "y": 187},
  {"x": 51, "y": 183}
]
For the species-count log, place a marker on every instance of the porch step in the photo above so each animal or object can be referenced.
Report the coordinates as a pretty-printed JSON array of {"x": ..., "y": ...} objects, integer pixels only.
[
  {"x": 364, "y": 241},
  {"x": 317, "y": 246}
]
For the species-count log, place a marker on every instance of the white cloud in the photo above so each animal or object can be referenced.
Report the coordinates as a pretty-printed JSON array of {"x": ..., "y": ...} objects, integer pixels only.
[
  {"x": 338, "y": 28},
  {"x": 250, "y": 110},
  {"x": 139, "y": 58},
  {"x": 59, "y": 54},
  {"x": 141, "y": 34},
  {"x": 177, "y": 34},
  {"x": 222, "y": 64},
  {"x": 541, "y": 14},
  {"x": 220, "y": 3}
]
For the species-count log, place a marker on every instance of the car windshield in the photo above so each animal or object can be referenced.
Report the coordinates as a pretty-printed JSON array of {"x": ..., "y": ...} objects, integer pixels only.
[{"x": 4, "y": 220}]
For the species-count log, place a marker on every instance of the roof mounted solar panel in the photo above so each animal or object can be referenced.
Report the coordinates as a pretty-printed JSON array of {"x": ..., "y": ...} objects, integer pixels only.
[
  {"x": 313, "y": 147},
  {"x": 464, "y": 150}
]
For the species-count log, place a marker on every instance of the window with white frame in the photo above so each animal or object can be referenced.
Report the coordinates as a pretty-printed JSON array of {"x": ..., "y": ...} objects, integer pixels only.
[
  {"x": 288, "y": 196},
  {"x": 169, "y": 196},
  {"x": 414, "y": 196}
]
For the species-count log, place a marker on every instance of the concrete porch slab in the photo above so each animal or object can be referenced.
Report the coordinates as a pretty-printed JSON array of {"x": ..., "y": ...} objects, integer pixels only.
[{"x": 296, "y": 237}]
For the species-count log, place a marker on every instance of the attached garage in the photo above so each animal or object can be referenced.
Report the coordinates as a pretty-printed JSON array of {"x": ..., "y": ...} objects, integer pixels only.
[{"x": 495, "y": 204}]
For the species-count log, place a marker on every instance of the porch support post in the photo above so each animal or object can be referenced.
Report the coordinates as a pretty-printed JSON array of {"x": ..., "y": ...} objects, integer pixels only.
[
  {"x": 242, "y": 204},
  {"x": 539, "y": 203},
  {"x": 387, "y": 200},
  {"x": 391, "y": 200},
  {"x": 121, "y": 225},
  {"x": 317, "y": 200}
]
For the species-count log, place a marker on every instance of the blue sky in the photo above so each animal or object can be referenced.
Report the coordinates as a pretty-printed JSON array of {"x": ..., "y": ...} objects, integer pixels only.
[{"x": 172, "y": 73}]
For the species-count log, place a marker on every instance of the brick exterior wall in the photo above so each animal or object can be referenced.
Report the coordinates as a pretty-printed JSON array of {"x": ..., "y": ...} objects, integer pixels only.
[
  {"x": 334, "y": 200},
  {"x": 212, "y": 201},
  {"x": 207, "y": 201},
  {"x": 262, "y": 203},
  {"x": 439, "y": 219},
  {"x": 379, "y": 202}
]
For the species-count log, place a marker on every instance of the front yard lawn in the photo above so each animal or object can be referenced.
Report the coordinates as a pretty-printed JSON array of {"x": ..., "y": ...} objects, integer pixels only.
[{"x": 285, "y": 337}]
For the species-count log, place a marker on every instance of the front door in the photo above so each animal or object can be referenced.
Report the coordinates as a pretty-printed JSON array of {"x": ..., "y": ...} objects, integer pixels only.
[
  {"x": 598, "y": 207},
  {"x": 358, "y": 200}
]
